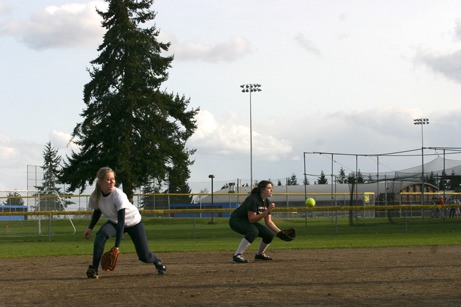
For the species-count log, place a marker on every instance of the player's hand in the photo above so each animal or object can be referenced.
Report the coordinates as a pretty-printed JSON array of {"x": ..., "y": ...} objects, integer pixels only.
[
  {"x": 271, "y": 206},
  {"x": 87, "y": 233}
]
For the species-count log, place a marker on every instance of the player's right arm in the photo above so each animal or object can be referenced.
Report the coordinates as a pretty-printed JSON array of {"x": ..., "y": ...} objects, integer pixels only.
[
  {"x": 253, "y": 217},
  {"x": 94, "y": 220}
]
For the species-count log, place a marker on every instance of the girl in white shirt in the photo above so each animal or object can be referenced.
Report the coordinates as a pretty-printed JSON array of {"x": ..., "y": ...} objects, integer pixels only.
[{"x": 123, "y": 216}]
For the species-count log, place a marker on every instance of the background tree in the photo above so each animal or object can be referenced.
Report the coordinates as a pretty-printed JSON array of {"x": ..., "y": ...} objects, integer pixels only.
[
  {"x": 13, "y": 199},
  {"x": 293, "y": 180},
  {"x": 341, "y": 176},
  {"x": 322, "y": 179},
  {"x": 130, "y": 124},
  {"x": 49, "y": 191},
  {"x": 455, "y": 181},
  {"x": 443, "y": 182},
  {"x": 431, "y": 179},
  {"x": 176, "y": 185},
  {"x": 148, "y": 201},
  {"x": 351, "y": 178},
  {"x": 360, "y": 177}
]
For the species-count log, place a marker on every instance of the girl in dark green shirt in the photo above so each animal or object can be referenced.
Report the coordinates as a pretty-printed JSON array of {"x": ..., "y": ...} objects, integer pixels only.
[{"x": 246, "y": 220}]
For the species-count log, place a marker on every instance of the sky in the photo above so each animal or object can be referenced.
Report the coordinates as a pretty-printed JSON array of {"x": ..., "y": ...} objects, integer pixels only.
[{"x": 343, "y": 77}]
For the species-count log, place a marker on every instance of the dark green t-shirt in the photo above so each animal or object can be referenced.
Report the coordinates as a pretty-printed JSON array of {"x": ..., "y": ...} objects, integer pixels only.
[{"x": 254, "y": 203}]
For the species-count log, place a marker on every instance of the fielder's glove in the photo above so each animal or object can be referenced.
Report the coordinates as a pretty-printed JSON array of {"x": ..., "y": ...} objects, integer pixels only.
[
  {"x": 109, "y": 259},
  {"x": 287, "y": 234}
]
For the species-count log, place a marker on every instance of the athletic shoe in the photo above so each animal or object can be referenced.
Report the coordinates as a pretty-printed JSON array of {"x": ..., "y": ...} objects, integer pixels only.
[
  {"x": 92, "y": 272},
  {"x": 161, "y": 269},
  {"x": 239, "y": 259},
  {"x": 263, "y": 257}
]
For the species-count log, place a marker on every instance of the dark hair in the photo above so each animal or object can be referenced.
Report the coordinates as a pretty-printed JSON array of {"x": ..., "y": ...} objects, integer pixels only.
[{"x": 261, "y": 186}]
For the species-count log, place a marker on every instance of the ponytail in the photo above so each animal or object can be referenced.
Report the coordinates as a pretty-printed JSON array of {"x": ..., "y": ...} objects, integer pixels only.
[{"x": 261, "y": 186}]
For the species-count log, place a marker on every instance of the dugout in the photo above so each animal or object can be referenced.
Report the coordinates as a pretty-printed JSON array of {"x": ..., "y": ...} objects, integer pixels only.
[{"x": 13, "y": 208}]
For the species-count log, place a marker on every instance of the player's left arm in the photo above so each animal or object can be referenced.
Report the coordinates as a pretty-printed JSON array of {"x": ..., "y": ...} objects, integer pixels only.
[{"x": 120, "y": 226}]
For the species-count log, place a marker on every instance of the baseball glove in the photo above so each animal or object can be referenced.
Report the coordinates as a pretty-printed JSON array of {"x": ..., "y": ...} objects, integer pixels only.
[
  {"x": 287, "y": 234},
  {"x": 109, "y": 259}
]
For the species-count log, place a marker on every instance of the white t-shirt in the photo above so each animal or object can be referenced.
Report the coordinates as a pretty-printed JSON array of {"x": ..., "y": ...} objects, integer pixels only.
[{"x": 116, "y": 200}]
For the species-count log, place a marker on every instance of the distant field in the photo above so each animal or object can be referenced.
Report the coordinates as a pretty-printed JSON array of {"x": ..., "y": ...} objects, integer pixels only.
[{"x": 21, "y": 238}]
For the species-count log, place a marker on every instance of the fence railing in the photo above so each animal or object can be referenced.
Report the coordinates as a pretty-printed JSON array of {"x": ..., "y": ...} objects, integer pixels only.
[{"x": 227, "y": 201}]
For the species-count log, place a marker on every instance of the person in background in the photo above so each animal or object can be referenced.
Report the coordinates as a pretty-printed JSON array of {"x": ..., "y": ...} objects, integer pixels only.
[
  {"x": 123, "y": 216},
  {"x": 246, "y": 219}
]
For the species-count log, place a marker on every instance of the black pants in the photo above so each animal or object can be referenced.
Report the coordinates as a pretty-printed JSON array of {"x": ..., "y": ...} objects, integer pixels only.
[
  {"x": 137, "y": 234},
  {"x": 251, "y": 231}
]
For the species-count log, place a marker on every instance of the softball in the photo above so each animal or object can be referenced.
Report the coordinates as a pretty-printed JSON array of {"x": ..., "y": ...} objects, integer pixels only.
[{"x": 310, "y": 202}]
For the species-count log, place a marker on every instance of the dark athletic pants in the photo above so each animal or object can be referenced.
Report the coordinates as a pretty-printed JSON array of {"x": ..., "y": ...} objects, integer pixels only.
[
  {"x": 251, "y": 231},
  {"x": 137, "y": 234}
]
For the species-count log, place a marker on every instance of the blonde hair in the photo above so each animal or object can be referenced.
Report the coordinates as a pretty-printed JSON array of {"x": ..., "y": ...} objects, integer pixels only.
[{"x": 100, "y": 175}]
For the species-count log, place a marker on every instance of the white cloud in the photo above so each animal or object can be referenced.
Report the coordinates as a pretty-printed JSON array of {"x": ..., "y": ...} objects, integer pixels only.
[
  {"x": 195, "y": 50},
  {"x": 66, "y": 26},
  {"x": 448, "y": 65},
  {"x": 15, "y": 155},
  {"x": 458, "y": 29},
  {"x": 61, "y": 141},
  {"x": 307, "y": 44},
  {"x": 3, "y": 8},
  {"x": 227, "y": 138}
]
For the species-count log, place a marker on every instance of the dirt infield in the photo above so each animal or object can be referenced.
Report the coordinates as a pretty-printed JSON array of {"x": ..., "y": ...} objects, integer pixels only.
[{"x": 425, "y": 276}]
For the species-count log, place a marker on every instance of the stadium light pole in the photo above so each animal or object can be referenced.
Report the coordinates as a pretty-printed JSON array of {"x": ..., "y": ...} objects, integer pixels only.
[
  {"x": 251, "y": 88},
  {"x": 422, "y": 122},
  {"x": 212, "y": 199}
]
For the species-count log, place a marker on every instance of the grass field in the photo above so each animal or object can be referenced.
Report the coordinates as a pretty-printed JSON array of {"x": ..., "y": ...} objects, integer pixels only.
[{"x": 21, "y": 239}]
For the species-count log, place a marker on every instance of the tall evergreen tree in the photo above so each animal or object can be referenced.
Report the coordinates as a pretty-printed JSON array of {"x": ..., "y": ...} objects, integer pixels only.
[
  {"x": 49, "y": 191},
  {"x": 443, "y": 181},
  {"x": 341, "y": 176},
  {"x": 306, "y": 181},
  {"x": 322, "y": 179},
  {"x": 13, "y": 199},
  {"x": 360, "y": 177},
  {"x": 293, "y": 180},
  {"x": 455, "y": 181},
  {"x": 129, "y": 123},
  {"x": 149, "y": 202},
  {"x": 431, "y": 179}
]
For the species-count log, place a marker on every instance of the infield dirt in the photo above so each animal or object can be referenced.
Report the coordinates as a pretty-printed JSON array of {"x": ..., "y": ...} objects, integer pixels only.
[{"x": 404, "y": 276}]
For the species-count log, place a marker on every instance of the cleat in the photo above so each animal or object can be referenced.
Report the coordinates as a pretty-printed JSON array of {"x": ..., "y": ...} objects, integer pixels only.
[
  {"x": 161, "y": 269},
  {"x": 263, "y": 257},
  {"x": 92, "y": 272},
  {"x": 239, "y": 259}
]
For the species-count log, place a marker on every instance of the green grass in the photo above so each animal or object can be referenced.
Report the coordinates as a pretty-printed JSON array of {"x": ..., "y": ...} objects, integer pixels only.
[{"x": 21, "y": 238}]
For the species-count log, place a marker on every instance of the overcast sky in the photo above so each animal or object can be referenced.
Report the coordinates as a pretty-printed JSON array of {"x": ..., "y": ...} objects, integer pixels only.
[{"x": 336, "y": 76}]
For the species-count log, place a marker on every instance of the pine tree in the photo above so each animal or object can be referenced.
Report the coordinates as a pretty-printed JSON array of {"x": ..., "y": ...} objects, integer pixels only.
[
  {"x": 341, "y": 176},
  {"x": 293, "y": 180},
  {"x": 431, "y": 179},
  {"x": 306, "y": 181},
  {"x": 443, "y": 181},
  {"x": 130, "y": 124},
  {"x": 322, "y": 179},
  {"x": 455, "y": 181},
  {"x": 360, "y": 177},
  {"x": 13, "y": 199},
  {"x": 351, "y": 178},
  {"x": 49, "y": 191},
  {"x": 150, "y": 202}
]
